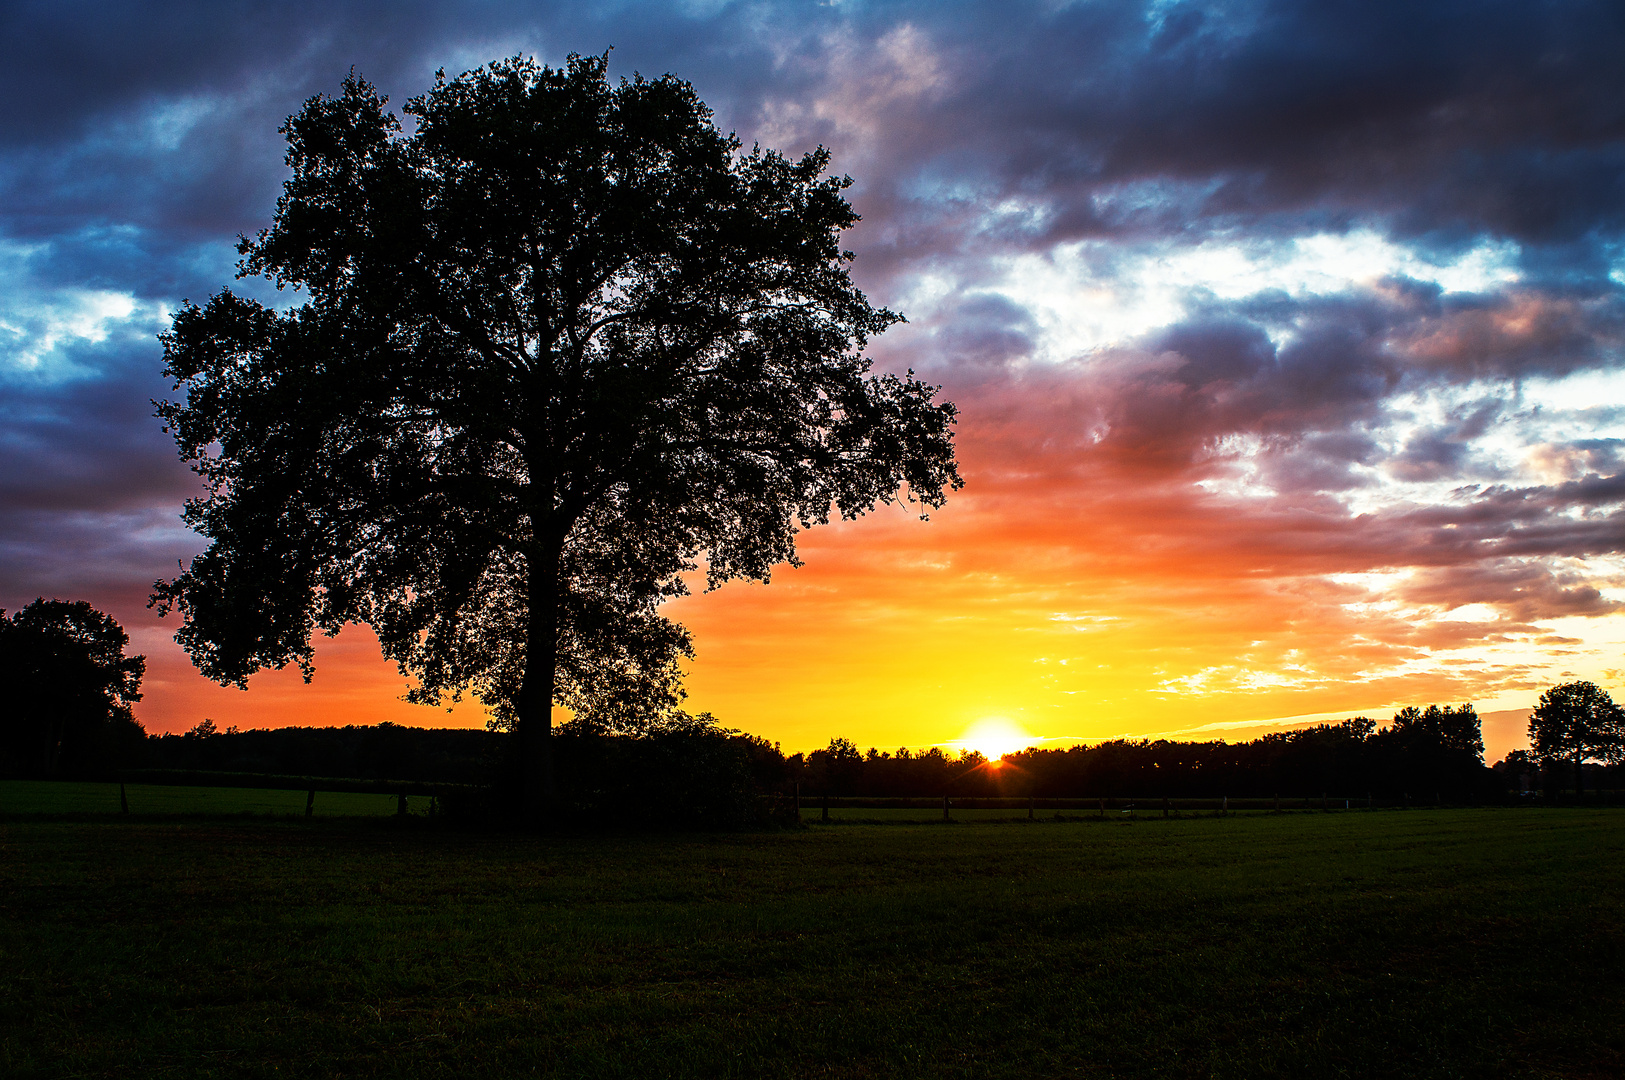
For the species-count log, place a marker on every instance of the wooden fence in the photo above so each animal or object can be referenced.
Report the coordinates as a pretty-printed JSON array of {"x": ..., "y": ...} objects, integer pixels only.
[
  {"x": 1100, "y": 807},
  {"x": 401, "y": 789},
  {"x": 800, "y": 804}
]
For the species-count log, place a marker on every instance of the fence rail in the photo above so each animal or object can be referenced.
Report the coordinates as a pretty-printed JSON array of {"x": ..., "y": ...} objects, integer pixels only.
[
  {"x": 1167, "y": 807},
  {"x": 279, "y": 782},
  {"x": 401, "y": 789},
  {"x": 799, "y": 802}
]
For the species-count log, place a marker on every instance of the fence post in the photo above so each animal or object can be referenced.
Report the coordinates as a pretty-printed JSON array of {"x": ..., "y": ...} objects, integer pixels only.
[
  {"x": 945, "y": 816},
  {"x": 1102, "y": 806},
  {"x": 400, "y": 806},
  {"x": 1165, "y": 806},
  {"x": 1029, "y": 808},
  {"x": 1277, "y": 802},
  {"x": 123, "y": 803},
  {"x": 1224, "y": 805},
  {"x": 310, "y": 803}
]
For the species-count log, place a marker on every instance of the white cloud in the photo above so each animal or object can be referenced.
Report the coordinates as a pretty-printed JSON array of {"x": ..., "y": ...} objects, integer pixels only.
[
  {"x": 1092, "y": 295},
  {"x": 40, "y": 323}
]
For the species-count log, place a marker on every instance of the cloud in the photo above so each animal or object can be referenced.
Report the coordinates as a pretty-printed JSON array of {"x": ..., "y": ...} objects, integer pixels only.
[
  {"x": 1525, "y": 590},
  {"x": 1239, "y": 302}
]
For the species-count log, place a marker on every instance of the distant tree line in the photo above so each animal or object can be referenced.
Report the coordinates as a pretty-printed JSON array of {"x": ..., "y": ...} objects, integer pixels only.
[
  {"x": 690, "y": 769},
  {"x": 69, "y": 714},
  {"x": 1424, "y": 752},
  {"x": 1577, "y": 734},
  {"x": 364, "y": 752}
]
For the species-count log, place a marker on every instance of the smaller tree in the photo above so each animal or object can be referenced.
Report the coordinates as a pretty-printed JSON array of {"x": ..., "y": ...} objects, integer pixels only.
[
  {"x": 837, "y": 769},
  {"x": 1452, "y": 729},
  {"x": 1577, "y": 720},
  {"x": 69, "y": 688},
  {"x": 1516, "y": 769},
  {"x": 1431, "y": 750}
]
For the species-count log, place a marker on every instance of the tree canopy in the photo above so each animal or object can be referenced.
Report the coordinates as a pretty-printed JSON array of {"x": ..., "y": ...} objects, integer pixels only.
[
  {"x": 69, "y": 687},
  {"x": 1577, "y": 720},
  {"x": 562, "y": 344}
]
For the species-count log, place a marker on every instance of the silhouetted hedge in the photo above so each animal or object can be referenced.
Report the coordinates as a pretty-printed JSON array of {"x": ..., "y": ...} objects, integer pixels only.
[{"x": 681, "y": 780}]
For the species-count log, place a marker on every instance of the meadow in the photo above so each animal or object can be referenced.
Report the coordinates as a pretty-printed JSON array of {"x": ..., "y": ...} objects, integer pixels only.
[{"x": 1419, "y": 943}]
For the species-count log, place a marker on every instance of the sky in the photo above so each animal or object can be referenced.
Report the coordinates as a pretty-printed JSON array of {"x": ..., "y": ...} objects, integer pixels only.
[{"x": 1288, "y": 341}]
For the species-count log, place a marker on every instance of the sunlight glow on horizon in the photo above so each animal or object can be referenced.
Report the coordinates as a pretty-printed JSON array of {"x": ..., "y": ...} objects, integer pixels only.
[{"x": 994, "y": 737}]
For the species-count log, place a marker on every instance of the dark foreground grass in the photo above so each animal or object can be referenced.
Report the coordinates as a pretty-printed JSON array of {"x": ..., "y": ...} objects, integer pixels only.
[{"x": 1404, "y": 944}]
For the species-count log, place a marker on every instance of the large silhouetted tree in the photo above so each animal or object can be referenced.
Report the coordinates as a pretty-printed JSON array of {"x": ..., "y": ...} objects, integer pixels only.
[
  {"x": 68, "y": 688},
  {"x": 563, "y": 343},
  {"x": 1577, "y": 720}
]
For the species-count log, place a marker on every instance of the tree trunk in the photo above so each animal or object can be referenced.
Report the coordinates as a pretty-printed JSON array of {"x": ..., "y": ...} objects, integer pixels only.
[
  {"x": 1579, "y": 776},
  {"x": 538, "y": 788},
  {"x": 57, "y": 729}
]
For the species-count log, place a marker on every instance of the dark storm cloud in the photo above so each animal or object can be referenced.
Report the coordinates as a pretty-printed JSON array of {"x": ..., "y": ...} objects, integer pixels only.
[
  {"x": 89, "y": 489},
  {"x": 1441, "y": 120},
  {"x": 1201, "y": 381},
  {"x": 1444, "y": 452},
  {"x": 165, "y": 116},
  {"x": 87, "y": 448},
  {"x": 984, "y": 332},
  {"x": 73, "y": 69}
]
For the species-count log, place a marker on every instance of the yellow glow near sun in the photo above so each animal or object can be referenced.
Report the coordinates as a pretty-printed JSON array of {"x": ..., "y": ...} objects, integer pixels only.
[{"x": 996, "y": 736}]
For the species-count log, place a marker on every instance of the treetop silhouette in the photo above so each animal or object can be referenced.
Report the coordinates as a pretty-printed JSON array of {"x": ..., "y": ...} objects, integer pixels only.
[
  {"x": 562, "y": 343},
  {"x": 69, "y": 688},
  {"x": 1577, "y": 720}
]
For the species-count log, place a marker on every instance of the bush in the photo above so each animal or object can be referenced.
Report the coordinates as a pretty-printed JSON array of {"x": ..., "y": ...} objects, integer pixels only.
[{"x": 692, "y": 779}]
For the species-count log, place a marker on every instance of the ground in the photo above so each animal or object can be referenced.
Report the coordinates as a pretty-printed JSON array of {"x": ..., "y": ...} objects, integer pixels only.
[{"x": 1422, "y": 943}]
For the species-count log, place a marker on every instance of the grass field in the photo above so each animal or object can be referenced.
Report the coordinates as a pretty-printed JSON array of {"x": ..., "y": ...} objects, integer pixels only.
[{"x": 1434, "y": 943}]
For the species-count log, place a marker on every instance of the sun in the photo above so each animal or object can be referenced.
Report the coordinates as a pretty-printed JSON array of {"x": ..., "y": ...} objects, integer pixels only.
[{"x": 995, "y": 736}]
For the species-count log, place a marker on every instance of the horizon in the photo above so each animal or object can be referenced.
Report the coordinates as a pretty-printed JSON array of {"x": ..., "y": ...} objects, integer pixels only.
[
  {"x": 1503, "y": 731},
  {"x": 1289, "y": 347}
]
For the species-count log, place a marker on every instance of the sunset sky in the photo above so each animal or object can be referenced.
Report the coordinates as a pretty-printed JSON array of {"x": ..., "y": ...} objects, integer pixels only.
[{"x": 1288, "y": 339}]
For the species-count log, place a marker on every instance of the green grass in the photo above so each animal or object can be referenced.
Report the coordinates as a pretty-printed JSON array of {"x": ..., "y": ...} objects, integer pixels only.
[{"x": 1435, "y": 943}]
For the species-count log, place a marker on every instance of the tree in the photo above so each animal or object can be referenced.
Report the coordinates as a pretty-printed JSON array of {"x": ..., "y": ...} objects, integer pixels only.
[
  {"x": 69, "y": 688},
  {"x": 1453, "y": 730},
  {"x": 1516, "y": 768},
  {"x": 837, "y": 769},
  {"x": 1434, "y": 749},
  {"x": 1577, "y": 720},
  {"x": 563, "y": 344}
]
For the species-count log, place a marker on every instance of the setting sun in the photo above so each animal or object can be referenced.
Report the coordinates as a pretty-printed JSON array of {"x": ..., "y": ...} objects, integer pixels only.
[{"x": 994, "y": 737}]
